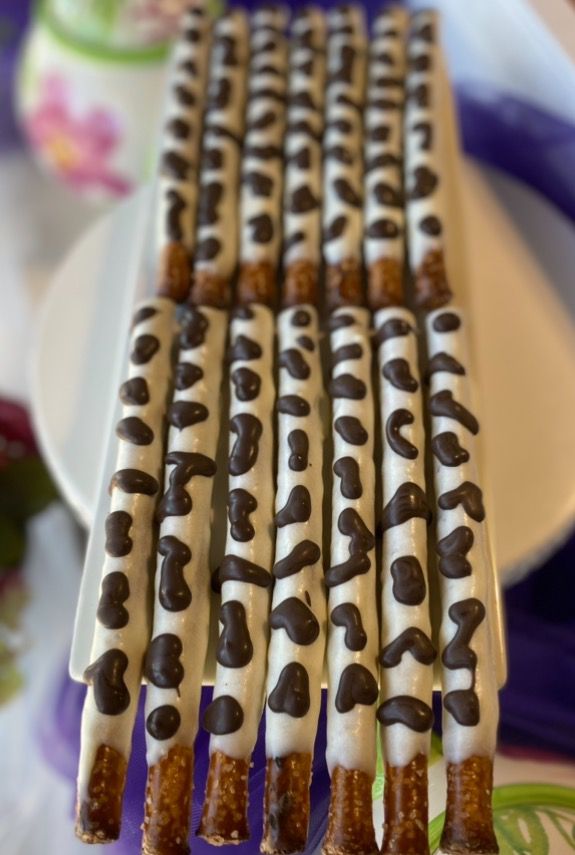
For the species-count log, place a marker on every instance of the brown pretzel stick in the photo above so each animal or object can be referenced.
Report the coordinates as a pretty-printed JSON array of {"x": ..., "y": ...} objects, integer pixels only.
[{"x": 233, "y": 716}]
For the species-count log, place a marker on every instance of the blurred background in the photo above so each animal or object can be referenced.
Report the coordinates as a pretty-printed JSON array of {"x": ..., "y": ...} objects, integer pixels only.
[{"x": 81, "y": 86}]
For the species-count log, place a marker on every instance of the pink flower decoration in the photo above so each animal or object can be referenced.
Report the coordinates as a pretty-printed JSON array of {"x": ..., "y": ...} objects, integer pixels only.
[{"x": 77, "y": 147}]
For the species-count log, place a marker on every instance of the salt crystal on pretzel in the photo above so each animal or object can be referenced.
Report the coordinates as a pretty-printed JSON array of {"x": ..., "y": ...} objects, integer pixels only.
[
  {"x": 122, "y": 626},
  {"x": 469, "y": 675},
  {"x": 297, "y": 642},
  {"x": 234, "y": 714},
  {"x": 351, "y": 579},
  {"x": 424, "y": 175},
  {"x": 174, "y": 664},
  {"x": 407, "y": 653}
]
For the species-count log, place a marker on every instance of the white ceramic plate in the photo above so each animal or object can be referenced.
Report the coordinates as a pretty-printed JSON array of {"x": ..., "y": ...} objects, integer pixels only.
[{"x": 524, "y": 349}]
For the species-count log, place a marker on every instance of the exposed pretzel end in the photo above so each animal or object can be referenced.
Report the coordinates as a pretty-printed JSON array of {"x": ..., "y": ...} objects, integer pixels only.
[
  {"x": 286, "y": 804},
  {"x": 431, "y": 285},
  {"x": 224, "y": 814},
  {"x": 300, "y": 285},
  {"x": 406, "y": 808},
  {"x": 174, "y": 276},
  {"x": 167, "y": 810},
  {"x": 385, "y": 284},
  {"x": 210, "y": 290},
  {"x": 99, "y": 817},
  {"x": 257, "y": 283},
  {"x": 468, "y": 828},
  {"x": 344, "y": 285},
  {"x": 350, "y": 823}
]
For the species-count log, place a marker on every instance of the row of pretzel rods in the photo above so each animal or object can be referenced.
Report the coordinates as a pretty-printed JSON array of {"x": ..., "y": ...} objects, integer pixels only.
[{"x": 359, "y": 134}]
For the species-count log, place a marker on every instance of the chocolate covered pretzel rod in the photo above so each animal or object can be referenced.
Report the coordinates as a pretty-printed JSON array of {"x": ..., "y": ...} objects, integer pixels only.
[
  {"x": 174, "y": 665},
  {"x": 233, "y": 716},
  {"x": 297, "y": 643},
  {"x": 469, "y": 673},
  {"x": 177, "y": 192},
  {"x": 424, "y": 174},
  {"x": 351, "y": 578},
  {"x": 122, "y": 627},
  {"x": 407, "y": 653},
  {"x": 470, "y": 692}
]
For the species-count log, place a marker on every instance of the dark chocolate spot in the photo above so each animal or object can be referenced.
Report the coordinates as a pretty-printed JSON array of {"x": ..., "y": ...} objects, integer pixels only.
[
  {"x": 262, "y": 121},
  {"x": 430, "y": 225},
  {"x": 409, "y": 501},
  {"x": 381, "y": 132},
  {"x": 134, "y": 481},
  {"x": 219, "y": 94},
  {"x": 145, "y": 347},
  {"x": 212, "y": 158},
  {"x": 176, "y": 206},
  {"x": 419, "y": 95},
  {"x": 351, "y": 430},
  {"x": 182, "y": 414},
  {"x": 398, "y": 372},
  {"x": 207, "y": 249},
  {"x": 349, "y": 616},
  {"x": 346, "y": 192},
  {"x": 118, "y": 540},
  {"x": 444, "y": 404},
  {"x": 244, "y": 453},
  {"x": 403, "y": 709},
  {"x": 115, "y": 591},
  {"x": 380, "y": 161},
  {"x": 163, "y": 722},
  {"x": 469, "y": 496},
  {"x": 336, "y": 321},
  {"x": 444, "y": 362},
  {"x": 446, "y": 322},
  {"x": 261, "y": 185},
  {"x": 135, "y": 431},
  {"x": 426, "y": 131},
  {"x": 262, "y": 152},
  {"x": 175, "y": 165},
  {"x": 422, "y": 182},
  {"x": 236, "y": 569},
  {"x": 388, "y": 195},
  {"x": 292, "y": 240},
  {"x": 187, "y": 375},
  {"x": 240, "y": 505},
  {"x": 106, "y": 676},
  {"x": 297, "y": 619},
  {"x": 304, "y": 127},
  {"x": 267, "y": 92},
  {"x": 142, "y": 314},
  {"x": 163, "y": 667},
  {"x": 300, "y": 318},
  {"x": 299, "y": 446},
  {"x": 135, "y": 392},
  {"x": 293, "y": 360},
  {"x": 447, "y": 449},
  {"x": 340, "y": 153},
  {"x": 425, "y": 33},
  {"x": 293, "y": 405},
  {"x": 347, "y": 468},
  {"x": 467, "y": 615},
  {"x": 463, "y": 704},
  {"x": 356, "y": 565},
  {"x": 452, "y": 550},
  {"x": 291, "y": 693},
  {"x": 351, "y": 525},
  {"x": 296, "y": 509},
  {"x": 301, "y": 158},
  {"x": 392, "y": 328},
  {"x": 184, "y": 96},
  {"x": 347, "y": 386},
  {"x": 244, "y": 349},
  {"x": 383, "y": 228},
  {"x": 335, "y": 229},
  {"x": 247, "y": 384},
  {"x": 421, "y": 62},
  {"x": 345, "y": 352},
  {"x": 408, "y": 580},
  {"x": 175, "y": 594},
  {"x": 395, "y": 422},
  {"x": 210, "y": 198},
  {"x": 357, "y": 685},
  {"x": 243, "y": 313},
  {"x": 302, "y": 99},
  {"x": 262, "y": 228},
  {"x": 411, "y": 640},
  {"x": 302, "y": 200},
  {"x": 303, "y": 555},
  {"x": 235, "y": 648},
  {"x": 223, "y": 715},
  {"x": 176, "y": 501},
  {"x": 306, "y": 342}
]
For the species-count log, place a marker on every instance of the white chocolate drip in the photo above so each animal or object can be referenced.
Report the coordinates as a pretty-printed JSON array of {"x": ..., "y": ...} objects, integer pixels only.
[{"x": 132, "y": 639}]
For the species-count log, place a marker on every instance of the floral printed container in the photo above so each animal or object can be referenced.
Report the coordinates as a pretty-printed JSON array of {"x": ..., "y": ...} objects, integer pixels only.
[{"x": 90, "y": 90}]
